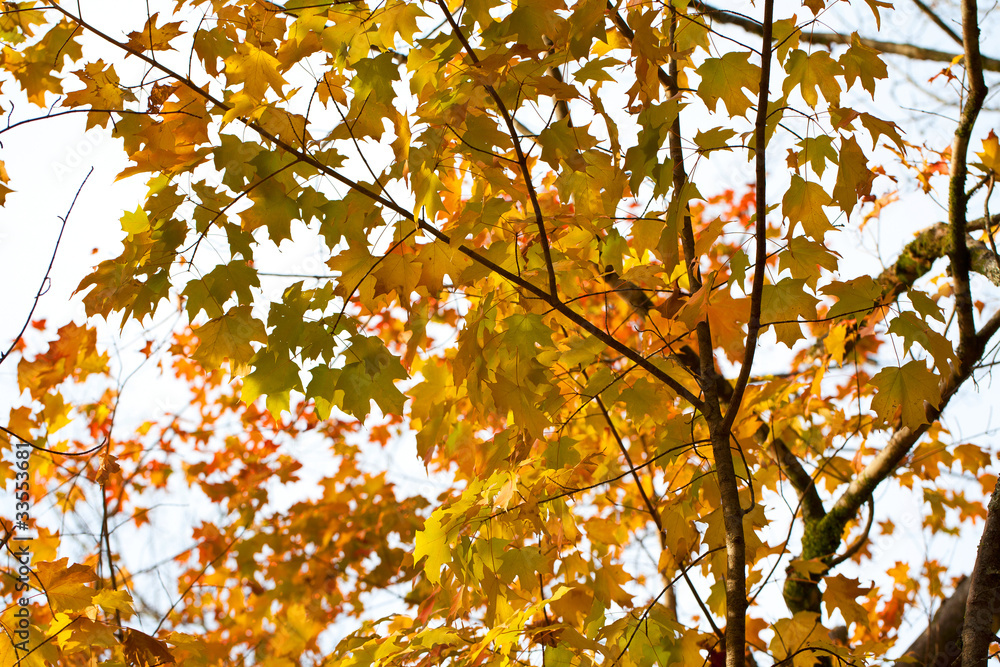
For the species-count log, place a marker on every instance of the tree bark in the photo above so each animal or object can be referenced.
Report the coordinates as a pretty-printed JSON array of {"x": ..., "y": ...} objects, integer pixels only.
[
  {"x": 984, "y": 591},
  {"x": 939, "y": 645}
]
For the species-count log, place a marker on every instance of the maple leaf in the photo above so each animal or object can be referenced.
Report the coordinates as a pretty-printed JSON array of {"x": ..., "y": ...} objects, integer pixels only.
[
  {"x": 914, "y": 330},
  {"x": 103, "y": 91},
  {"x": 424, "y": 213},
  {"x": 369, "y": 374},
  {"x": 228, "y": 337},
  {"x": 803, "y": 202},
  {"x": 256, "y": 69},
  {"x": 212, "y": 291},
  {"x": 296, "y": 632},
  {"x": 854, "y": 178},
  {"x": 855, "y": 297},
  {"x": 66, "y": 586},
  {"x": 153, "y": 37},
  {"x": 116, "y": 602},
  {"x": 811, "y": 71},
  {"x": 726, "y": 78},
  {"x": 990, "y": 155},
  {"x": 37, "y": 67},
  {"x": 142, "y": 650},
  {"x": 910, "y": 388},
  {"x": 862, "y": 62},
  {"x": 842, "y": 593},
  {"x": 4, "y": 188},
  {"x": 782, "y": 306}
]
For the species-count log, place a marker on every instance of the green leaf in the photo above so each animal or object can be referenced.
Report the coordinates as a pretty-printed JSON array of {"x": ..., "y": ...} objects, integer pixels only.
[
  {"x": 924, "y": 305},
  {"x": 596, "y": 70},
  {"x": 561, "y": 141},
  {"x": 526, "y": 333},
  {"x": 368, "y": 375},
  {"x": 818, "y": 151},
  {"x": 211, "y": 292},
  {"x": 274, "y": 375},
  {"x": 806, "y": 259}
]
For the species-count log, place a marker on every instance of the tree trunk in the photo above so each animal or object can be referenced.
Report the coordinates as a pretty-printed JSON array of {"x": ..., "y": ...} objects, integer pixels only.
[
  {"x": 984, "y": 591},
  {"x": 940, "y": 643}
]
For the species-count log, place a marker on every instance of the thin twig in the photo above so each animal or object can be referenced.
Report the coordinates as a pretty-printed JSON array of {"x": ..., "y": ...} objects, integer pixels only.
[{"x": 44, "y": 287}]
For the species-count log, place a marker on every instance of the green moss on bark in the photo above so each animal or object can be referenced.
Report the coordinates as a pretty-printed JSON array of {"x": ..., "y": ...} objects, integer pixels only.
[{"x": 820, "y": 540}]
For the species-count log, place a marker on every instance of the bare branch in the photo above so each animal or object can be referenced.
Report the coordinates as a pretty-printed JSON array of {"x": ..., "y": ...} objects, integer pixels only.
[
  {"x": 829, "y": 38},
  {"x": 812, "y": 506},
  {"x": 932, "y": 15},
  {"x": 44, "y": 286},
  {"x": 961, "y": 260}
]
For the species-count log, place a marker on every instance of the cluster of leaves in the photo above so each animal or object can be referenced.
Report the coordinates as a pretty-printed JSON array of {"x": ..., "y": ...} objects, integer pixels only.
[{"x": 522, "y": 274}]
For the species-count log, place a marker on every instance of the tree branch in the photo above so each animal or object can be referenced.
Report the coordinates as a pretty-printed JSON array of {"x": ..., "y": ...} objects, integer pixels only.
[
  {"x": 802, "y": 482},
  {"x": 736, "y": 591},
  {"x": 939, "y": 643},
  {"x": 899, "y": 445},
  {"x": 760, "y": 206},
  {"x": 984, "y": 591},
  {"x": 822, "y": 539},
  {"x": 829, "y": 38},
  {"x": 44, "y": 286},
  {"x": 961, "y": 260},
  {"x": 932, "y": 15}
]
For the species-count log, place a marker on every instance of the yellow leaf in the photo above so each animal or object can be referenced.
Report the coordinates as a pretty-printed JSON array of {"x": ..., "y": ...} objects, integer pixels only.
[
  {"x": 66, "y": 585},
  {"x": 229, "y": 337},
  {"x": 793, "y": 635},
  {"x": 256, "y": 69},
  {"x": 153, "y": 37},
  {"x": 907, "y": 388},
  {"x": 725, "y": 78},
  {"x": 810, "y": 71},
  {"x": 102, "y": 91},
  {"x": 990, "y": 154},
  {"x": 295, "y": 632},
  {"x": 803, "y": 202},
  {"x": 135, "y": 222},
  {"x": 841, "y": 593},
  {"x": 114, "y": 601},
  {"x": 432, "y": 542}
]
